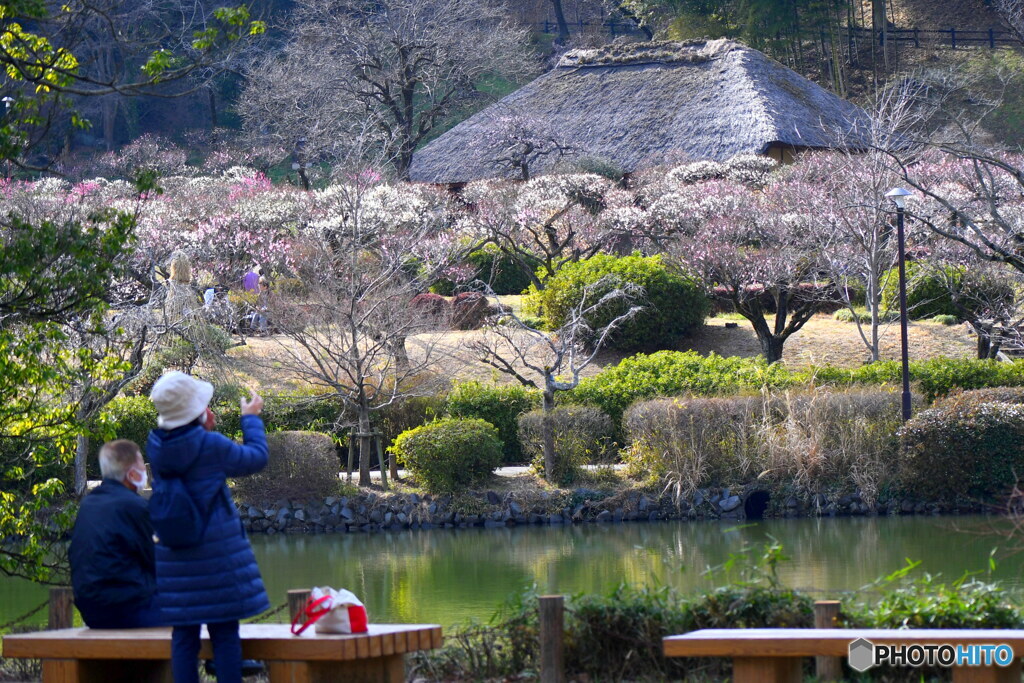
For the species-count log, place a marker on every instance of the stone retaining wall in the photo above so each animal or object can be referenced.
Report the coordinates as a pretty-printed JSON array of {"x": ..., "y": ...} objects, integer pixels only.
[{"x": 372, "y": 512}]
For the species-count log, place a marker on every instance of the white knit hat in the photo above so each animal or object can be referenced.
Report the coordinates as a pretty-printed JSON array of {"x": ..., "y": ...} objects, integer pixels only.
[{"x": 179, "y": 399}]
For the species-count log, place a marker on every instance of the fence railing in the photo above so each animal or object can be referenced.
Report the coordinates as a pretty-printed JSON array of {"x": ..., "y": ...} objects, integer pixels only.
[{"x": 948, "y": 37}]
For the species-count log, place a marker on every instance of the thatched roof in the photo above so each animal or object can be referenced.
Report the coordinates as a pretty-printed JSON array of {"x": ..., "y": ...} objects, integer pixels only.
[{"x": 632, "y": 104}]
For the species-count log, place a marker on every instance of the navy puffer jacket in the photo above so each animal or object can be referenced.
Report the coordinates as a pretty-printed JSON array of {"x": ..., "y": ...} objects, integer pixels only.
[{"x": 217, "y": 580}]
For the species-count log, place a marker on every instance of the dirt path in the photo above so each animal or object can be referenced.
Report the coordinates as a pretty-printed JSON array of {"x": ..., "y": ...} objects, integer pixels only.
[{"x": 823, "y": 340}]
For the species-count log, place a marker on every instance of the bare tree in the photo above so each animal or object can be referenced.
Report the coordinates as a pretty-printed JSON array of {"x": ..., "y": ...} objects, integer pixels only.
[
  {"x": 361, "y": 266},
  {"x": 515, "y": 142},
  {"x": 514, "y": 347},
  {"x": 1012, "y": 12},
  {"x": 405, "y": 65},
  {"x": 550, "y": 220}
]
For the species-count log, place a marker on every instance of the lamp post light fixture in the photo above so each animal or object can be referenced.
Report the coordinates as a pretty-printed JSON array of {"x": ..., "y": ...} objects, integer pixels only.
[{"x": 899, "y": 197}]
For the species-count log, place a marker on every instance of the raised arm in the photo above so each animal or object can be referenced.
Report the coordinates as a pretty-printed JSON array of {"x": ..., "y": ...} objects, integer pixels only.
[{"x": 251, "y": 456}]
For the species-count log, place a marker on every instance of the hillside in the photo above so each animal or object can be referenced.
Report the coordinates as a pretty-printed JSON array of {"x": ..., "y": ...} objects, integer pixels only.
[{"x": 975, "y": 15}]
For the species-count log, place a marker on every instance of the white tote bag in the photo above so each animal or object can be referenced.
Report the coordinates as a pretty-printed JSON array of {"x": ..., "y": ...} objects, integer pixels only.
[{"x": 332, "y": 611}]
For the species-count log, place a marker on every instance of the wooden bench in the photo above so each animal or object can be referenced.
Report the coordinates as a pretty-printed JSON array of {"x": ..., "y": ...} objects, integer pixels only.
[
  {"x": 111, "y": 656},
  {"x": 774, "y": 655}
]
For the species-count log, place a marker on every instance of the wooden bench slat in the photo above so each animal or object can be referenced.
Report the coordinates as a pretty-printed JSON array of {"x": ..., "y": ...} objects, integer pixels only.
[
  {"x": 809, "y": 642},
  {"x": 259, "y": 641}
]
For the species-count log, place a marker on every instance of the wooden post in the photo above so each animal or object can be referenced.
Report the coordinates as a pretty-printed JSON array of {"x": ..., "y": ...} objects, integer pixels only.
[
  {"x": 351, "y": 456},
  {"x": 952, "y": 37},
  {"x": 61, "y": 612},
  {"x": 380, "y": 461},
  {"x": 552, "y": 630},
  {"x": 825, "y": 614},
  {"x": 296, "y": 601}
]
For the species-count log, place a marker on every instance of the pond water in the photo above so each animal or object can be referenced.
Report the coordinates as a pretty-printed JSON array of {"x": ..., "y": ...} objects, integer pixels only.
[{"x": 450, "y": 576}]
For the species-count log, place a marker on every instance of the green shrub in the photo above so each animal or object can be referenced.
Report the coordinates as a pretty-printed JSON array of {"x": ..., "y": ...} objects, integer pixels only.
[
  {"x": 928, "y": 602},
  {"x": 845, "y": 315},
  {"x": 963, "y": 449},
  {"x": 405, "y": 414},
  {"x": 302, "y": 466},
  {"x": 673, "y": 305},
  {"x": 674, "y": 373},
  {"x": 290, "y": 412},
  {"x": 946, "y": 319},
  {"x": 935, "y": 377},
  {"x": 930, "y": 291},
  {"x": 502, "y": 274},
  {"x": 499, "y": 404},
  {"x": 583, "y": 436},
  {"x": 127, "y": 417},
  {"x": 451, "y": 454}
]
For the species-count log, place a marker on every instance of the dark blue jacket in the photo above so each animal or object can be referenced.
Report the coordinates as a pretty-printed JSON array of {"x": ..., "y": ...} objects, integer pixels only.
[
  {"x": 111, "y": 553},
  {"x": 217, "y": 580}
]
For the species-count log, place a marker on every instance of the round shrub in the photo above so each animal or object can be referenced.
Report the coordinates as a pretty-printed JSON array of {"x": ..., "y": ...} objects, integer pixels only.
[
  {"x": 451, "y": 454},
  {"x": 302, "y": 466},
  {"x": 469, "y": 309},
  {"x": 501, "y": 405},
  {"x": 673, "y": 305},
  {"x": 502, "y": 274},
  {"x": 945, "y": 319},
  {"x": 583, "y": 436},
  {"x": 434, "y": 309},
  {"x": 928, "y": 293},
  {"x": 963, "y": 449}
]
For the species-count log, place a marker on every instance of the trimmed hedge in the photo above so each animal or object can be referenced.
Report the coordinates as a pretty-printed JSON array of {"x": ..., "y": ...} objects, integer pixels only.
[
  {"x": 673, "y": 305},
  {"x": 451, "y": 454},
  {"x": 962, "y": 449},
  {"x": 674, "y": 373},
  {"x": 936, "y": 377},
  {"x": 499, "y": 404}
]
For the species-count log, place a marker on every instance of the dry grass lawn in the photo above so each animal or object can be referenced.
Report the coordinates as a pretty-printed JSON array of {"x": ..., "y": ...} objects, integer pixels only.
[{"x": 823, "y": 340}]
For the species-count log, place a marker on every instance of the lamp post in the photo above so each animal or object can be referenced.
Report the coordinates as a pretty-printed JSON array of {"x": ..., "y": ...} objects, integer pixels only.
[
  {"x": 8, "y": 101},
  {"x": 899, "y": 197}
]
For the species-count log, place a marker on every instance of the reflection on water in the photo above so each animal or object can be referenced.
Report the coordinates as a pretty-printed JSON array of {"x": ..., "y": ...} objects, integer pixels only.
[{"x": 450, "y": 576}]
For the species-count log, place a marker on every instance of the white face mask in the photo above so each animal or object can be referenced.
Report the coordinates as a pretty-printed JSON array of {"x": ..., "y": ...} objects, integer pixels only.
[{"x": 143, "y": 478}]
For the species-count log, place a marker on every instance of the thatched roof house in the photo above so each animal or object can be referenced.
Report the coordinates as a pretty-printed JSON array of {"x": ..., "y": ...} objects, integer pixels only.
[{"x": 632, "y": 104}]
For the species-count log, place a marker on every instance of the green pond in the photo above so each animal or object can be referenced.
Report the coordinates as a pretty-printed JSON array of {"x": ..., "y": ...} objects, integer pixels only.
[{"x": 450, "y": 576}]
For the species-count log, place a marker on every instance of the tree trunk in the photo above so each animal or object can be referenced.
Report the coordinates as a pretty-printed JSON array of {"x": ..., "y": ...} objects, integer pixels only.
[
  {"x": 881, "y": 28},
  {"x": 401, "y": 355},
  {"x": 563, "y": 27},
  {"x": 771, "y": 347},
  {"x": 81, "y": 458},
  {"x": 365, "y": 446},
  {"x": 211, "y": 96},
  {"x": 547, "y": 432},
  {"x": 984, "y": 340},
  {"x": 109, "y": 118}
]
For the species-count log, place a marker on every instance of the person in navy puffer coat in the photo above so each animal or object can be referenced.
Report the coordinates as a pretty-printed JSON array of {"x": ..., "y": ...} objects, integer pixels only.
[{"x": 217, "y": 582}]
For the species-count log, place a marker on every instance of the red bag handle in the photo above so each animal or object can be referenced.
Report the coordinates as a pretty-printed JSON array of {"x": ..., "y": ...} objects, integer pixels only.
[{"x": 312, "y": 613}]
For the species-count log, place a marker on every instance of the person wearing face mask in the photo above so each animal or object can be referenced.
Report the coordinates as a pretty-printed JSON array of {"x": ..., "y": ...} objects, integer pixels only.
[
  {"x": 113, "y": 569},
  {"x": 216, "y": 581}
]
